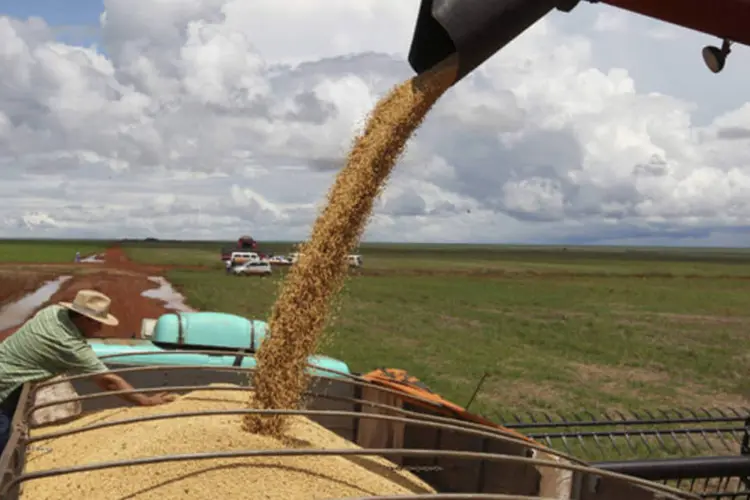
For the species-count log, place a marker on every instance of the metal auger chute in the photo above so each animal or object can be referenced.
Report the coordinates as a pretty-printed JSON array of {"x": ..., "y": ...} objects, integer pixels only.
[{"x": 473, "y": 30}]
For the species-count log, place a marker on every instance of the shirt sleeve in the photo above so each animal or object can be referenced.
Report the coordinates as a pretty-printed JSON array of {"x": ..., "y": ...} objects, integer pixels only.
[{"x": 78, "y": 357}]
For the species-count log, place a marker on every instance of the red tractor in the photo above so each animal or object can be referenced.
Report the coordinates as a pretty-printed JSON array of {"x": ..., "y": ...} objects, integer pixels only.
[{"x": 246, "y": 242}]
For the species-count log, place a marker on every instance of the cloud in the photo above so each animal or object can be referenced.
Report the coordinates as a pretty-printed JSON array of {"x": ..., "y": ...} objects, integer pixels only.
[
  {"x": 212, "y": 118},
  {"x": 612, "y": 21},
  {"x": 733, "y": 133},
  {"x": 664, "y": 32}
]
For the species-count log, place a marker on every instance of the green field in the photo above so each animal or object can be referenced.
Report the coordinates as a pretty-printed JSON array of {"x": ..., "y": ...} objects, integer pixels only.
[
  {"x": 46, "y": 251},
  {"x": 555, "y": 328}
]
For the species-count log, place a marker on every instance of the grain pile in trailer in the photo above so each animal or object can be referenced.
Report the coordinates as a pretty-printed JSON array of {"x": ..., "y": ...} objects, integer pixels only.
[{"x": 268, "y": 478}]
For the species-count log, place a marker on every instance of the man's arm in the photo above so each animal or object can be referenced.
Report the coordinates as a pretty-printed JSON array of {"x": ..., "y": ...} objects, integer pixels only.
[
  {"x": 112, "y": 382},
  {"x": 80, "y": 358}
]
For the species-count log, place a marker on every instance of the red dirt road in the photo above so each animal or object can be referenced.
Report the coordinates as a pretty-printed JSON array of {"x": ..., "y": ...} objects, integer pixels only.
[{"x": 121, "y": 279}]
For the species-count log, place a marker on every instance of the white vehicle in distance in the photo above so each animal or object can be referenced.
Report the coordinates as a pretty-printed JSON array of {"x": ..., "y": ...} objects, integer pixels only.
[
  {"x": 280, "y": 260},
  {"x": 352, "y": 260},
  {"x": 244, "y": 257},
  {"x": 253, "y": 269}
]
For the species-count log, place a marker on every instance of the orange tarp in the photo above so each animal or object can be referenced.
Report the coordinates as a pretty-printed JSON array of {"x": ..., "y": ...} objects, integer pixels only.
[{"x": 401, "y": 381}]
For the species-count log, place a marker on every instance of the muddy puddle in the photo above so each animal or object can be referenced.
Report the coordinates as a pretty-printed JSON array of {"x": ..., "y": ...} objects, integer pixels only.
[
  {"x": 17, "y": 312},
  {"x": 172, "y": 299}
]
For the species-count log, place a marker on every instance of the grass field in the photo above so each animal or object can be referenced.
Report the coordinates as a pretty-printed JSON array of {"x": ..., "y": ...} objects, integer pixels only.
[
  {"x": 555, "y": 328},
  {"x": 46, "y": 251}
]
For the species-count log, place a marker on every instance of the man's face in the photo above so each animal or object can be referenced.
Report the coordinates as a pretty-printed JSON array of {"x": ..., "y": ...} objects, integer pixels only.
[{"x": 89, "y": 327}]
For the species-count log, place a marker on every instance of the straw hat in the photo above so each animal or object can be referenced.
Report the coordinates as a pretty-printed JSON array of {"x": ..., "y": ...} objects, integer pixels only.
[{"x": 94, "y": 305}]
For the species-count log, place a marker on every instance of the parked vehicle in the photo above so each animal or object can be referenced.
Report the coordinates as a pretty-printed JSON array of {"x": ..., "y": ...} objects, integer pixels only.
[
  {"x": 198, "y": 339},
  {"x": 243, "y": 257},
  {"x": 352, "y": 260},
  {"x": 253, "y": 269},
  {"x": 280, "y": 260}
]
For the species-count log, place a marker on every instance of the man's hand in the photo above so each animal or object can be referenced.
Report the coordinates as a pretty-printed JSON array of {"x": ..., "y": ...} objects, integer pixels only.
[
  {"x": 111, "y": 382},
  {"x": 159, "y": 398}
]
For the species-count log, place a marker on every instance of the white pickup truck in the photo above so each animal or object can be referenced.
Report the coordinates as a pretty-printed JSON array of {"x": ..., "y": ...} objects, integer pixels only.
[
  {"x": 252, "y": 268},
  {"x": 353, "y": 260}
]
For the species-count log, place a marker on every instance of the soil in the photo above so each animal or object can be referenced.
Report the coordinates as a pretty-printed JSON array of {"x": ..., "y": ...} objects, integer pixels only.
[
  {"x": 118, "y": 277},
  {"x": 18, "y": 283}
]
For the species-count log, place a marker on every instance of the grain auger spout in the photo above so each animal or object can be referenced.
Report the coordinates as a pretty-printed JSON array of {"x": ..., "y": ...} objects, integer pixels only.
[{"x": 473, "y": 30}]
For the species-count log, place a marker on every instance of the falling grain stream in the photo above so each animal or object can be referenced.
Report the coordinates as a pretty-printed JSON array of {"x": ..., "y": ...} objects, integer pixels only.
[{"x": 302, "y": 309}]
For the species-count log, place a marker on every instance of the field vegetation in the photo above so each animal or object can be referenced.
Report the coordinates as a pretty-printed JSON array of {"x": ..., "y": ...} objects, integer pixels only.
[
  {"x": 555, "y": 328},
  {"x": 46, "y": 251},
  {"x": 560, "y": 328}
]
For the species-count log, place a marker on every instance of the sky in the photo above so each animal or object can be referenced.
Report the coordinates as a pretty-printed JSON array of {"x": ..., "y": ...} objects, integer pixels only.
[{"x": 208, "y": 119}]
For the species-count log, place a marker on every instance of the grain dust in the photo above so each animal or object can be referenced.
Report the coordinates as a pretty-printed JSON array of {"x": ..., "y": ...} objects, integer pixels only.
[
  {"x": 301, "y": 311},
  {"x": 242, "y": 478}
]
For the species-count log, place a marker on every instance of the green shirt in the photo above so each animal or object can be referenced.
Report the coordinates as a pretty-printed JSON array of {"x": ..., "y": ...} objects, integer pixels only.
[{"x": 48, "y": 345}]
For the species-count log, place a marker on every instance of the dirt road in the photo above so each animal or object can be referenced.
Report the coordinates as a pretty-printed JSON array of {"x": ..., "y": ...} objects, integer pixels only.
[{"x": 121, "y": 279}]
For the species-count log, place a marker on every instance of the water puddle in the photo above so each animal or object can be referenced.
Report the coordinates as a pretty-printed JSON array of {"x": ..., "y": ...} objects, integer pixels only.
[
  {"x": 166, "y": 293},
  {"x": 93, "y": 259},
  {"x": 17, "y": 312}
]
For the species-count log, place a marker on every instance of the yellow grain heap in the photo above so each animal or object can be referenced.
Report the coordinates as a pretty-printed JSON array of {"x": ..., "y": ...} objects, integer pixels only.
[
  {"x": 302, "y": 309},
  {"x": 292, "y": 478}
]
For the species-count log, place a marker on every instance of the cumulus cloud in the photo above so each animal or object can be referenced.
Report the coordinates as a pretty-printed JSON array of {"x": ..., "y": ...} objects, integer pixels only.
[
  {"x": 611, "y": 21},
  {"x": 212, "y": 118}
]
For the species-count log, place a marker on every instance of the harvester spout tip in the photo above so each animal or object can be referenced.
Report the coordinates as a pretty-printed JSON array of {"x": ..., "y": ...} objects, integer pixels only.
[{"x": 472, "y": 29}]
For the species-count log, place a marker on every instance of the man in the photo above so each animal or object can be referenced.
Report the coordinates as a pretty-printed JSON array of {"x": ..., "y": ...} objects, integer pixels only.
[{"x": 53, "y": 342}]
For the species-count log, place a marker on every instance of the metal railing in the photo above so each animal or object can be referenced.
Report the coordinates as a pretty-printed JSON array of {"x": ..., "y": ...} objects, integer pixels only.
[
  {"x": 644, "y": 434},
  {"x": 703, "y": 450},
  {"x": 14, "y": 475}
]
